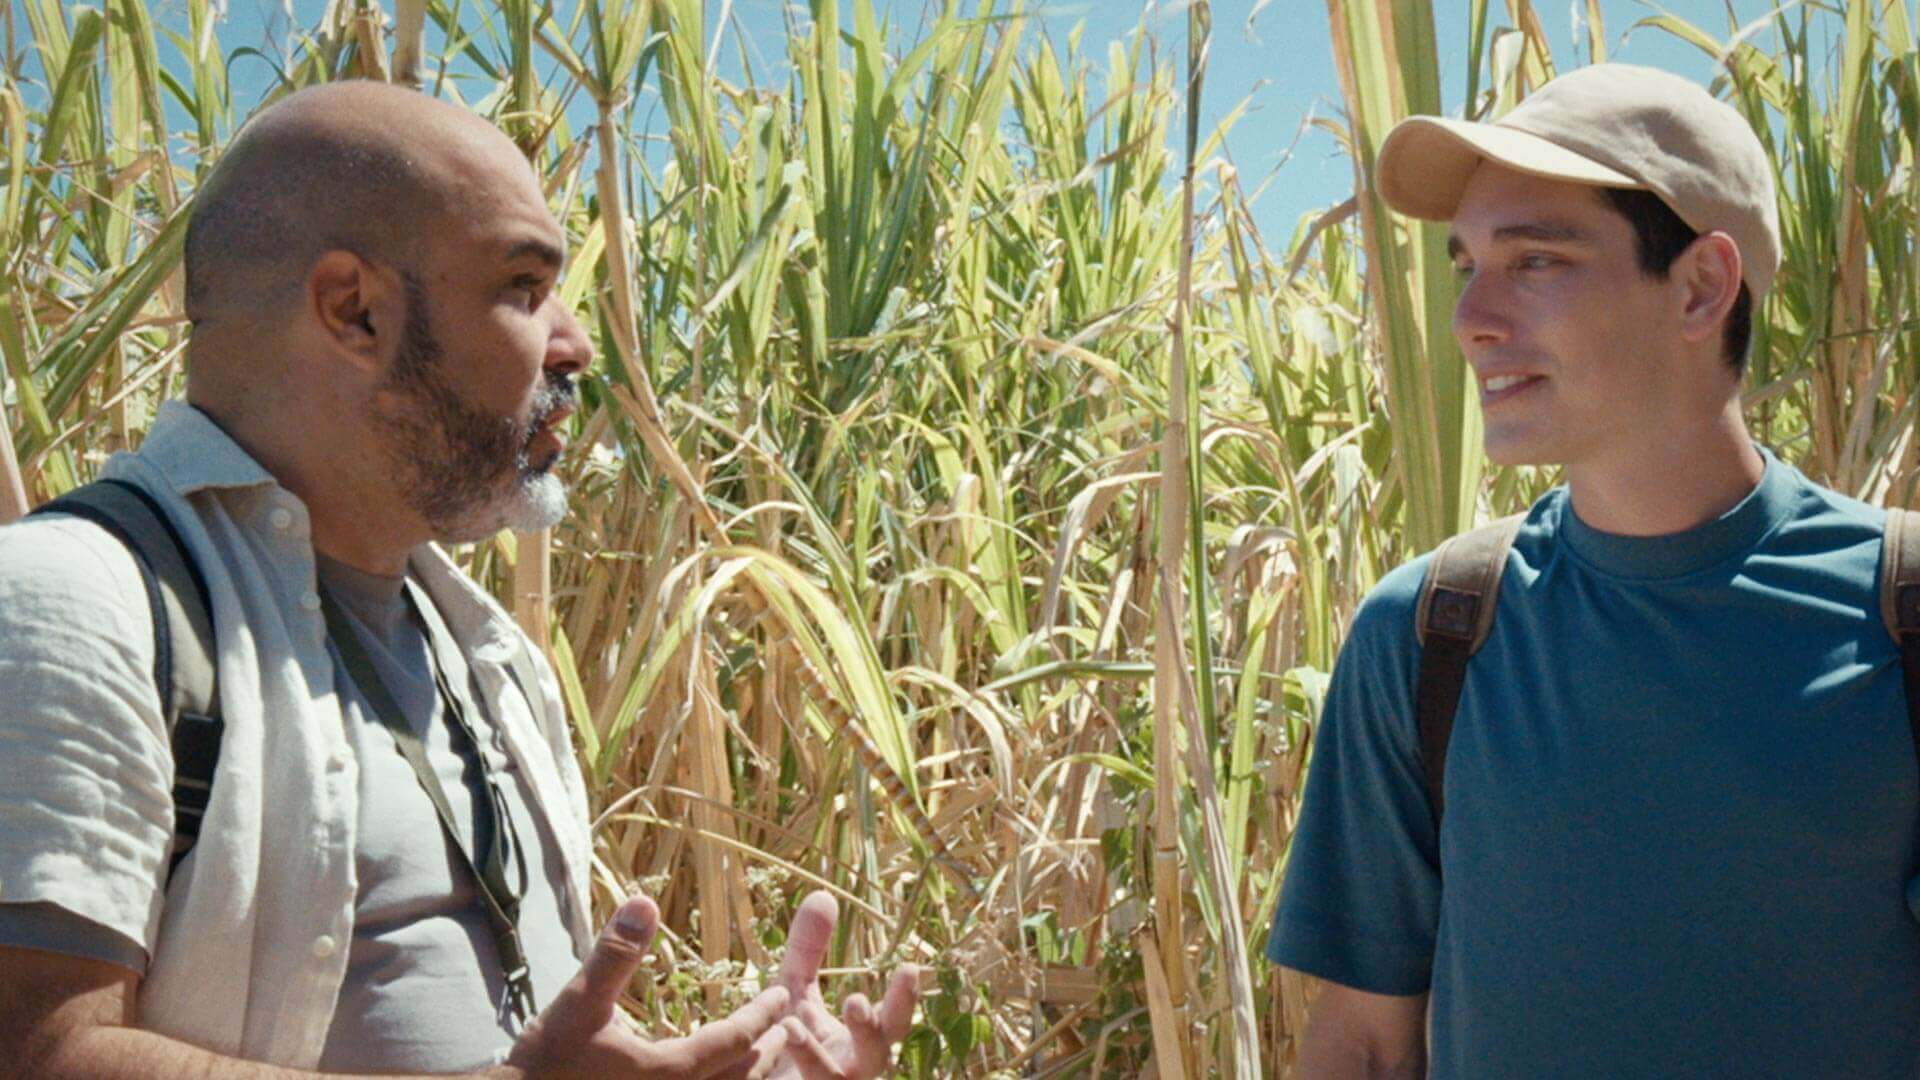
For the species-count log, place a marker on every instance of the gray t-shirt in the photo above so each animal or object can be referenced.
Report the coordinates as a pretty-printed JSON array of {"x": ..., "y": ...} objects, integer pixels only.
[
  {"x": 424, "y": 990},
  {"x": 424, "y": 987}
]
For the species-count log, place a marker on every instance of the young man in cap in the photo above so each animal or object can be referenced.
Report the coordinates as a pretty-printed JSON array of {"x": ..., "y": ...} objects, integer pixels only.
[{"x": 1680, "y": 792}]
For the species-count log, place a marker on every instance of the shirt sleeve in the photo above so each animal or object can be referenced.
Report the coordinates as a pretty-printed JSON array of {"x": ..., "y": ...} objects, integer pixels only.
[
  {"x": 1360, "y": 904},
  {"x": 52, "y": 928},
  {"x": 86, "y": 810}
]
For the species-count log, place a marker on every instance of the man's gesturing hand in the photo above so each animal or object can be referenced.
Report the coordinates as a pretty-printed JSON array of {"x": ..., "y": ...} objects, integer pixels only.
[
  {"x": 858, "y": 1045},
  {"x": 581, "y": 1035}
]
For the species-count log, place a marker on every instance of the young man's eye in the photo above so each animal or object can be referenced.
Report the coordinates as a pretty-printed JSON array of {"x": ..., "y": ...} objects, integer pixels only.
[
  {"x": 1537, "y": 262},
  {"x": 1462, "y": 270}
]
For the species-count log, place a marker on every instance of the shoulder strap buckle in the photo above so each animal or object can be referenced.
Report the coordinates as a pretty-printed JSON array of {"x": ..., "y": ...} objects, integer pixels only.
[{"x": 1457, "y": 603}]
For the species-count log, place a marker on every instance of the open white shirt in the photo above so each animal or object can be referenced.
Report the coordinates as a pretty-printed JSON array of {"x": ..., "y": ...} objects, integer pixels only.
[{"x": 248, "y": 946}]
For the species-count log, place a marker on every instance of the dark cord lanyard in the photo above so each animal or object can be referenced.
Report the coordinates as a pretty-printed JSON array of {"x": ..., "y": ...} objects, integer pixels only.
[{"x": 503, "y": 848}]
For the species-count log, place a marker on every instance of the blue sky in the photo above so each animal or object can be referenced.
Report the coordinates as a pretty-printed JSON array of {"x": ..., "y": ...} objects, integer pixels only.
[{"x": 1281, "y": 65}]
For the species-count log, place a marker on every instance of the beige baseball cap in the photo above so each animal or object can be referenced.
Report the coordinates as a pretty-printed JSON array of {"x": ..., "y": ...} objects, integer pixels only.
[{"x": 1609, "y": 125}]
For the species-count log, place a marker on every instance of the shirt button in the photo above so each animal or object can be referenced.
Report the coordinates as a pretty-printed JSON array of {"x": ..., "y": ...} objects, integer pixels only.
[
  {"x": 281, "y": 517},
  {"x": 323, "y": 946},
  {"x": 310, "y": 601},
  {"x": 338, "y": 761}
]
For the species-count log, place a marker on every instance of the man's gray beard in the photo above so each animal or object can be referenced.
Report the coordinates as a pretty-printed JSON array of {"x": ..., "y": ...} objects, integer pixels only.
[
  {"x": 463, "y": 470},
  {"x": 537, "y": 501}
]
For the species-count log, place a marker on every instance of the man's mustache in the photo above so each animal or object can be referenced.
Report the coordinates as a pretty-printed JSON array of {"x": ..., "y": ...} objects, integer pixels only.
[{"x": 558, "y": 394}]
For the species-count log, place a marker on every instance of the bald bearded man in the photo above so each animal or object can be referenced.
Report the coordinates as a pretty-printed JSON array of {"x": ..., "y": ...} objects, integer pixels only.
[{"x": 391, "y": 875}]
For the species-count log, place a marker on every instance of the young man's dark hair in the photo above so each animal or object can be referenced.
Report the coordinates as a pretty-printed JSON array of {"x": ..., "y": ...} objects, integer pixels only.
[{"x": 1659, "y": 236}]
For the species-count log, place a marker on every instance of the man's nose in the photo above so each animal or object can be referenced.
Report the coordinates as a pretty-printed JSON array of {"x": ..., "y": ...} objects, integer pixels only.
[
  {"x": 1479, "y": 315},
  {"x": 569, "y": 350}
]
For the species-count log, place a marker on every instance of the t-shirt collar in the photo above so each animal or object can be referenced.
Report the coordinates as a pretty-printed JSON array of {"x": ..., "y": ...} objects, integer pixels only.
[{"x": 1678, "y": 554}]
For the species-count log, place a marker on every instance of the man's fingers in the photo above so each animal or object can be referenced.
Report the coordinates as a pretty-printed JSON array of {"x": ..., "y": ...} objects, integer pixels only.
[
  {"x": 896, "y": 1008},
  {"x": 808, "y": 1054},
  {"x": 623, "y": 944},
  {"x": 859, "y": 1012},
  {"x": 721, "y": 1045},
  {"x": 813, "y": 1013},
  {"x": 876, "y": 1031},
  {"x": 768, "y": 1053},
  {"x": 807, "y": 941}
]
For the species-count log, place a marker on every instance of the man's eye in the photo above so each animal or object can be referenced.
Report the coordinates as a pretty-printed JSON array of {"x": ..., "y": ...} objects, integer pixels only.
[
  {"x": 532, "y": 288},
  {"x": 1537, "y": 262},
  {"x": 1463, "y": 271}
]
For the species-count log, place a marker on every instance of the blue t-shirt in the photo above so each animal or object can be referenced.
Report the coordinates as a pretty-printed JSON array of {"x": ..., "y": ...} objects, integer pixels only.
[{"x": 1681, "y": 808}]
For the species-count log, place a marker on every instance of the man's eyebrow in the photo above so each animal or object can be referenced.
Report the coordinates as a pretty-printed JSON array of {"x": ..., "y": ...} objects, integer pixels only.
[
  {"x": 1551, "y": 232},
  {"x": 543, "y": 250}
]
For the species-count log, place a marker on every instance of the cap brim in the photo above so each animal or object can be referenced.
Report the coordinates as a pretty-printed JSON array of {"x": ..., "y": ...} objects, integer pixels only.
[{"x": 1426, "y": 161}]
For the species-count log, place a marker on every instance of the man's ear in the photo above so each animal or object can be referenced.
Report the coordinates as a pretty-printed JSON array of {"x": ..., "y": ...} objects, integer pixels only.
[
  {"x": 1707, "y": 275},
  {"x": 360, "y": 308}
]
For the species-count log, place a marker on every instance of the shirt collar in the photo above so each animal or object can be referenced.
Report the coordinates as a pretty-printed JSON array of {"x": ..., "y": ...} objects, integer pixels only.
[
  {"x": 192, "y": 452},
  {"x": 474, "y": 615},
  {"x": 1771, "y": 502}
]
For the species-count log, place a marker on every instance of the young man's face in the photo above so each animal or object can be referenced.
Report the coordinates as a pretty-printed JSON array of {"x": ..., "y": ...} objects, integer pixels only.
[
  {"x": 1574, "y": 348},
  {"x": 486, "y": 366}
]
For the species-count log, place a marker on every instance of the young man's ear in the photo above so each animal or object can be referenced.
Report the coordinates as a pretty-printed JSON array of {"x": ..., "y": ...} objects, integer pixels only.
[
  {"x": 360, "y": 308},
  {"x": 1708, "y": 276}
]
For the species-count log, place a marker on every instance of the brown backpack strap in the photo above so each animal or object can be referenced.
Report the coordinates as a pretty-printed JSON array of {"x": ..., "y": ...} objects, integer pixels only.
[
  {"x": 1457, "y": 602},
  {"x": 1900, "y": 603}
]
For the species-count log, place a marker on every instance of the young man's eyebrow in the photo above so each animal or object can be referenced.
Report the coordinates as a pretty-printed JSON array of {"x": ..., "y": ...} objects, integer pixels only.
[{"x": 1551, "y": 232}]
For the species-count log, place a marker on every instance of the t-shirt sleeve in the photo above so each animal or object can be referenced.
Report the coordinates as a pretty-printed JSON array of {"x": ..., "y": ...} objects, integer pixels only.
[
  {"x": 86, "y": 814},
  {"x": 1361, "y": 900}
]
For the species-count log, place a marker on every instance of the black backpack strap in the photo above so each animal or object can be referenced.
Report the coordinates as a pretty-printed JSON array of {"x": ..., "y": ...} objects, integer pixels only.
[
  {"x": 1457, "y": 602},
  {"x": 184, "y": 665},
  {"x": 1900, "y": 603}
]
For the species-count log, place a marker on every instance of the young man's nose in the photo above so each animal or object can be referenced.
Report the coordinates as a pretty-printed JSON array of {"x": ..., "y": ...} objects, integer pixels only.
[{"x": 1479, "y": 315}]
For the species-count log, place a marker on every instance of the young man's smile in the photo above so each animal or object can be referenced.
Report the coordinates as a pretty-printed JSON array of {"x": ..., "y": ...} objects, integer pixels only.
[{"x": 1497, "y": 389}]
